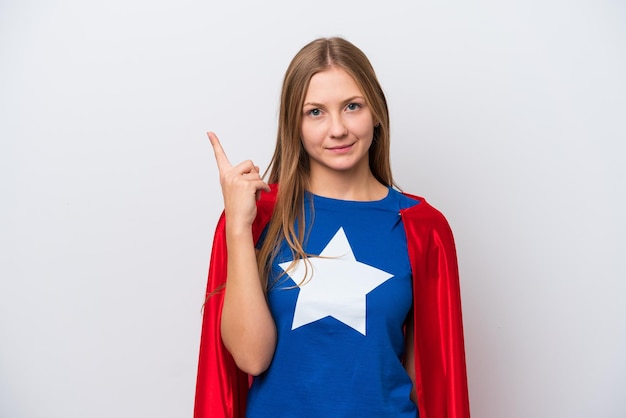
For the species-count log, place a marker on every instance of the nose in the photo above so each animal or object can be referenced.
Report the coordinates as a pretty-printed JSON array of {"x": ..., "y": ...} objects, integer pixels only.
[{"x": 338, "y": 128}]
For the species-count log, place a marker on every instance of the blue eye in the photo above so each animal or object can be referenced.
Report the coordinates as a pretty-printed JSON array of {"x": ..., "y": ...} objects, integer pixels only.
[
  {"x": 314, "y": 112},
  {"x": 353, "y": 106}
]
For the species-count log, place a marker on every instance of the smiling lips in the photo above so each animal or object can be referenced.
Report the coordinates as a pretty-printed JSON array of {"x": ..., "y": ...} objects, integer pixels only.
[{"x": 341, "y": 148}]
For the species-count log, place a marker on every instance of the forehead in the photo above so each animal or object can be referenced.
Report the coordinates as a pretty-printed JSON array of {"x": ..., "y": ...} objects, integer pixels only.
[{"x": 332, "y": 84}]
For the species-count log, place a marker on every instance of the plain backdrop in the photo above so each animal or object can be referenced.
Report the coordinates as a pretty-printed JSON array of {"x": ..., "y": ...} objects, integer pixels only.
[{"x": 507, "y": 116}]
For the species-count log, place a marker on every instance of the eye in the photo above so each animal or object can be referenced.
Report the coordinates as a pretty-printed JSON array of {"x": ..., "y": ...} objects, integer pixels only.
[
  {"x": 353, "y": 106},
  {"x": 314, "y": 112}
]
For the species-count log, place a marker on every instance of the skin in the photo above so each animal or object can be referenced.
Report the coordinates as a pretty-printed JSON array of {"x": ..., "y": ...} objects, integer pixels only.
[
  {"x": 336, "y": 132},
  {"x": 247, "y": 327}
]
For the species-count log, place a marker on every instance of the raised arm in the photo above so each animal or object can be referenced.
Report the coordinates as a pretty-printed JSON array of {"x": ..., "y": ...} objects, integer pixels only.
[{"x": 247, "y": 327}]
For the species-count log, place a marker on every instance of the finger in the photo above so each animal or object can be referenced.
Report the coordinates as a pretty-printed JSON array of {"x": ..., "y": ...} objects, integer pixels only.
[
  {"x": 254, "y": 175},
  {"x": 220, "y": 156},
  {"x": 263, "y": 187},
  {"x": 246, "y": 167},
  {"x": 256, "y": 182}
]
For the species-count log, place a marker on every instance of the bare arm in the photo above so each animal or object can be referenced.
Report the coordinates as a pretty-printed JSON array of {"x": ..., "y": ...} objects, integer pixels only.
[{"x": 247, "y": 327}]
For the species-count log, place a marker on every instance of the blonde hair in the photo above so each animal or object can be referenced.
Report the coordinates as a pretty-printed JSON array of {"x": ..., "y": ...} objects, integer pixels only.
[{"x": 289, "y": 166}]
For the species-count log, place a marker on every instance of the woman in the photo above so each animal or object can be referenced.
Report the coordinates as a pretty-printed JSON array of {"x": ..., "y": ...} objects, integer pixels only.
[{"x": 338, "y": 295}]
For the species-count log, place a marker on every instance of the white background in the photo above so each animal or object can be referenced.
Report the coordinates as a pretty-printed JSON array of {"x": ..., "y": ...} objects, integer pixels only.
[{"x": 507, "y": 116}]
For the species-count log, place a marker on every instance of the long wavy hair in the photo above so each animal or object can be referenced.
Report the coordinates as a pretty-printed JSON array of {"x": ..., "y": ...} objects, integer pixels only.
[{"x": 290, "y": 166}]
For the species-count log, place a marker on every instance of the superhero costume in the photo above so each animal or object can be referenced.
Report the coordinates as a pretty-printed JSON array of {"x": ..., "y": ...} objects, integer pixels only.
[{"x": 440, "y": 374}]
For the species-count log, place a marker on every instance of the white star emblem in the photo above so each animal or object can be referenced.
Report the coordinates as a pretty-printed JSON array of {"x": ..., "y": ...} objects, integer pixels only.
[{"x": 336, "y": 286}]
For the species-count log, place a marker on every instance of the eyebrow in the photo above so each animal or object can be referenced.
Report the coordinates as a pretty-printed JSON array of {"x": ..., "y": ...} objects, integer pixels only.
[{"x": 346, "y": 101}]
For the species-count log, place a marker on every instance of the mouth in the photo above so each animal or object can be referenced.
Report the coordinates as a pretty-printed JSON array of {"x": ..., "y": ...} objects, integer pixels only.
[{"x": 339, "y": 149}]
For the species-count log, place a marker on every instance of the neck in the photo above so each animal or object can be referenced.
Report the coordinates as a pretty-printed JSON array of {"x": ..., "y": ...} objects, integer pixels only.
[{"x": 347, "y": 186}]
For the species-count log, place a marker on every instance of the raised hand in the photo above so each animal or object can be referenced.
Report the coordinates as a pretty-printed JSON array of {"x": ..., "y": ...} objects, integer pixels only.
[{"x": 241, "y": 185}]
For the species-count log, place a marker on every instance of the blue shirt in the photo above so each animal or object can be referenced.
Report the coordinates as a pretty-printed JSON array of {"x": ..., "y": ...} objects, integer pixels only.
[{"x": 340, "y": 315}]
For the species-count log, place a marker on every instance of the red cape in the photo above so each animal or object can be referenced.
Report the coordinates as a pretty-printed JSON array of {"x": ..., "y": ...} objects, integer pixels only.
[{"x": 440, "y": 375}]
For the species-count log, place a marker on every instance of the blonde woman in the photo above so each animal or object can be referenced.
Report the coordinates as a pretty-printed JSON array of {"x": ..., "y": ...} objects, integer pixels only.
[{"x": 338, "y": 295}]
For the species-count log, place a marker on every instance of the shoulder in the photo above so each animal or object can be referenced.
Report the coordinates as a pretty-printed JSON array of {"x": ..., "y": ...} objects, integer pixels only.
[{"x": 423, "y": 213}]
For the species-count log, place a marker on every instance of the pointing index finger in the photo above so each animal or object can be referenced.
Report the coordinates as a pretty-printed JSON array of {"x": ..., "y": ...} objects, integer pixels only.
[{"x": 220, "y": 155}]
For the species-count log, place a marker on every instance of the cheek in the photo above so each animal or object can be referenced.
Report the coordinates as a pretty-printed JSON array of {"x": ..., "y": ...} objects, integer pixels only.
[
  {"x": 311, "y": 134},
  {"x": 364, "y": 129},
  {"x": 362, "y": 125}
]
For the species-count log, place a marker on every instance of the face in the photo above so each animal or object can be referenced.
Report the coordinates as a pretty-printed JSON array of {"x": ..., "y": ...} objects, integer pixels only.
[{"x": 337, "y": 125}]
